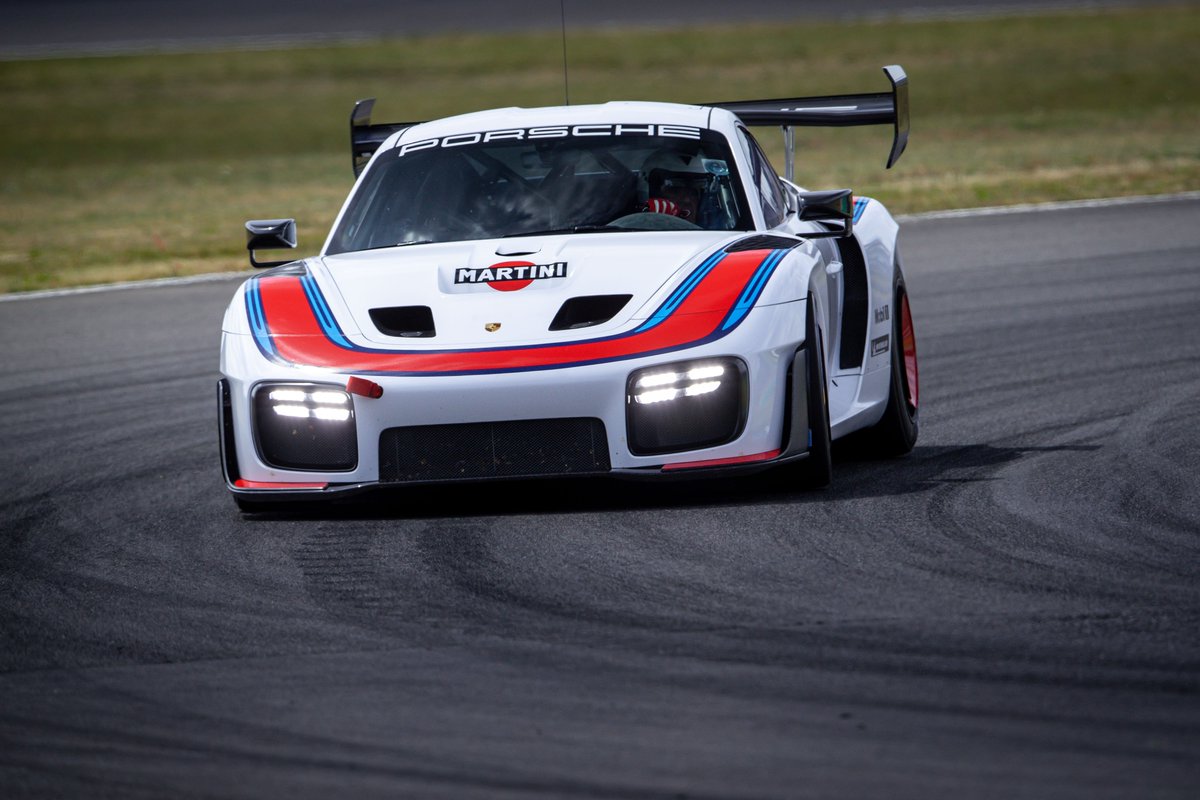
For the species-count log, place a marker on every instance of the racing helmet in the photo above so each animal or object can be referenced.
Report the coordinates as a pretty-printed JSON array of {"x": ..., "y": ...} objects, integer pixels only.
[{"x": 685, "y": 185}]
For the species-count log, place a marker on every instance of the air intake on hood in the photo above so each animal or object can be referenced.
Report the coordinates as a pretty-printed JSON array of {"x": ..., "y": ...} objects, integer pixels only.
[
  {"x": 762, "y": 242},
  {"x": 581, "y": 312},
  {"x": 406, "y": 321}
]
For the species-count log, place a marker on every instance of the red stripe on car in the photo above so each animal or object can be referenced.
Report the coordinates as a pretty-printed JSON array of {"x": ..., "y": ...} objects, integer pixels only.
[{"x": 299, "y": 338}]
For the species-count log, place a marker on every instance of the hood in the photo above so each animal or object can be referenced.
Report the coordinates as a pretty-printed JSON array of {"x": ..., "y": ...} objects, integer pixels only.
[{"x": 509, "y": 291}]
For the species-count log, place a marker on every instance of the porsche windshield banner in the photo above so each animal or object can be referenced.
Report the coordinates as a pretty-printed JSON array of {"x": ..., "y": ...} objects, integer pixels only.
[{"x": 550, "y": 132}]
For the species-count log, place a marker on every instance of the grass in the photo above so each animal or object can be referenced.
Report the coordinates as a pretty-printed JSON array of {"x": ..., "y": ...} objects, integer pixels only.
[{"x": 145, "y": 166}]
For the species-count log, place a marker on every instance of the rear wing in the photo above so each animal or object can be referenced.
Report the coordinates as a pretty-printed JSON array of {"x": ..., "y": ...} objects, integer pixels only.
[
  {"x": 365, "y": 138},
  {"x": 835, "y": 111},
  {"x": 832, "y": 111}
]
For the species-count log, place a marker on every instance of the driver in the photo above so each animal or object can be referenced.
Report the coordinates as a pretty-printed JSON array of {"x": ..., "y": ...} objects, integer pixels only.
[{"x": 676, "y": 182}]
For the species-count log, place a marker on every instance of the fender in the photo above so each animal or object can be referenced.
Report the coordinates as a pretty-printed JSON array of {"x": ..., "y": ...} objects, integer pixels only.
[{"x": 803, "y": 266}]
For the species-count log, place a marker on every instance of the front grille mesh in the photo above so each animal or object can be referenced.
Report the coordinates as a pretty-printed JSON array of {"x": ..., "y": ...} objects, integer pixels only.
[{"x": 522, "y": 448}]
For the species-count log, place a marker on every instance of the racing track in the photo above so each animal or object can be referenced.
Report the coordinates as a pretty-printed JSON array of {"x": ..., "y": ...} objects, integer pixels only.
[
  {"x": 1012, "y": 611},
  {"x": 50, "y": 28}
]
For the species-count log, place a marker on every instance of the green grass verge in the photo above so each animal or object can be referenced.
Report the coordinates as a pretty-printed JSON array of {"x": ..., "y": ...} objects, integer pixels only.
[{"x": 146, "y": 166}]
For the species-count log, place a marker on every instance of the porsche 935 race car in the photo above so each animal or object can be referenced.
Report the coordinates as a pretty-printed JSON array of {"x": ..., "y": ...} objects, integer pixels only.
[{"x": 624, "y": 289}]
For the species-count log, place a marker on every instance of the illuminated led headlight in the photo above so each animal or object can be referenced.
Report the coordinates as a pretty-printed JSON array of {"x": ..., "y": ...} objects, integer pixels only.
[
  {"x": 686, "y": 406},
  {"x": 655, "y": 387},
  {"x": 305, "y": 427},
  {"x": 324, "y": 404}
]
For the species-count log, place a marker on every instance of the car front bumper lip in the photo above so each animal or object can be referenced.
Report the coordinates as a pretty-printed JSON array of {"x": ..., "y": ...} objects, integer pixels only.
[{"x": 286, "y": 492}]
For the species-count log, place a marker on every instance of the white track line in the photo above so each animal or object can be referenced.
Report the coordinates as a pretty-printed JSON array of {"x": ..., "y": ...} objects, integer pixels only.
[
  {"x": 966, "y": 10},
  {"x": 1062, "y": 205},
  {"x": 210, "y": 277},
  {"x": 990, "y": 211}
]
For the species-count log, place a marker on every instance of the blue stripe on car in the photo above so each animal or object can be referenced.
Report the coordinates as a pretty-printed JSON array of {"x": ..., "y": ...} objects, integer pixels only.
[
  {"x": 753, "y": 289},
  {"x": 860, "y": 205},
  {"x": 681, "y": 293},
  {"x": 258, "y": 321},
  {"x": 322, "y": 312}
]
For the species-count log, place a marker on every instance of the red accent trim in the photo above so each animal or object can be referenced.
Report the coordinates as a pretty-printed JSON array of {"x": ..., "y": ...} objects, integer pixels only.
[
  {"x": 720, "y": 462},
  {"x": 242, "y": 483},
  {"x": 300, "y": 339},
  {"x": 908, "y": 334},
  {"x": 364, "y": 387}
]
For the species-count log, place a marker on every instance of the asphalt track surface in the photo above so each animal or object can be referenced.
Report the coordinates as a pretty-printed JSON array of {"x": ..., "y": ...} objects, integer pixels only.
[
  {"x": 1011, "y": 611},
  {"x": 42, "y": 28}
]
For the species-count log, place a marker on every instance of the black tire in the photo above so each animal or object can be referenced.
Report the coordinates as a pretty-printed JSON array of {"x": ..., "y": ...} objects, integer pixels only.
[
  {"x": 896, "y": 433},
  {"x": 816, "y": 471}
]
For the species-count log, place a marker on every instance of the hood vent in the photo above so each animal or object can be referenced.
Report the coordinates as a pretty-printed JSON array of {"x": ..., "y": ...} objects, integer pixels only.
[
  {"x": 411, "y": 322},
  {"x": 583, "y": 312},
  {"x": 762, "y": 242}
]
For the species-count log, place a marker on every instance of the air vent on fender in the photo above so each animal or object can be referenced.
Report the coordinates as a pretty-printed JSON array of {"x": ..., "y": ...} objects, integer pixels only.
[
  {"x": 582, "y": 312},
  {"x": 762, "y": 242},
  {"x": 407, "y": 321}
]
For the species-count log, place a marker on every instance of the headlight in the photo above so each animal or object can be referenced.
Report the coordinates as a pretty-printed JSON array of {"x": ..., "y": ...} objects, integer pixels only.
[
  {"x": 305, "y": 427},
  {"x": 685, "y": 406}
]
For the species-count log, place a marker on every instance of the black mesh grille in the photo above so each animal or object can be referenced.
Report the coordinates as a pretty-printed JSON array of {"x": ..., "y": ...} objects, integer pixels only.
[{"x": 522, "y": 448}]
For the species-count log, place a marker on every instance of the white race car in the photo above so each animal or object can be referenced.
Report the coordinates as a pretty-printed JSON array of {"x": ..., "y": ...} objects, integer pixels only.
[{"x": 623, "y": 289}]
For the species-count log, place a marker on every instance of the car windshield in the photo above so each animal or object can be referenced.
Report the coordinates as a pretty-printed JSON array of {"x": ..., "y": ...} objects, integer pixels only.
[{"x": 545, "y": 180}]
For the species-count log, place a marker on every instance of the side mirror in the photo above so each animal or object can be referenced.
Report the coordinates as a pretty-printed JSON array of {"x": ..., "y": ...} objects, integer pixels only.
[
  {"x": 834, "y": 207},
  {"x": 270, "y": 234}
]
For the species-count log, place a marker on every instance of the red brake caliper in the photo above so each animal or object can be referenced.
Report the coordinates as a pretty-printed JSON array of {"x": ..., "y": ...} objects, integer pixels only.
[{"x": 910, "y": 350}]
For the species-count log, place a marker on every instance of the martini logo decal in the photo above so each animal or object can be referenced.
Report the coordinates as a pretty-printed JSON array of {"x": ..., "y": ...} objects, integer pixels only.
[{"x": 509, "y": 276}]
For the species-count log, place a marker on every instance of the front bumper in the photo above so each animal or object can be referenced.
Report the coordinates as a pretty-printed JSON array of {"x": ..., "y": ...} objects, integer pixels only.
[{"x": 767, "y": 345}]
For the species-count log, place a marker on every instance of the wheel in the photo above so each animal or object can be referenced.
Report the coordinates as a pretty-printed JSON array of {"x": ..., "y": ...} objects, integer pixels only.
[
  {"x": 816, "y": 471},
  {"x": 896, "y": 433}
]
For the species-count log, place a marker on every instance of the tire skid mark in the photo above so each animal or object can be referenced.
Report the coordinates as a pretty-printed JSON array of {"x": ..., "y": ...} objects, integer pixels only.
[{"x": 342, "y": 571}]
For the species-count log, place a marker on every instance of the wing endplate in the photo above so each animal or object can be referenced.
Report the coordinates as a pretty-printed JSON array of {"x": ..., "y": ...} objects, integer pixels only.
[{"x": 365, "y": 138}]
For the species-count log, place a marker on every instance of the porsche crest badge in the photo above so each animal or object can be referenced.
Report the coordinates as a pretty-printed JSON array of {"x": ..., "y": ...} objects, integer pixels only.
[{"x": 492, "y": 327}]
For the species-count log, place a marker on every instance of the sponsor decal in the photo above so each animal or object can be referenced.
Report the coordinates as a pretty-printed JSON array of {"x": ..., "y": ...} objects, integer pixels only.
[
  {"x": 509, "y": 276},
  {"x": 879, "y": 346},
  {"x": 882, "y": 314},
  {"x": 549, "y": 132}
]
